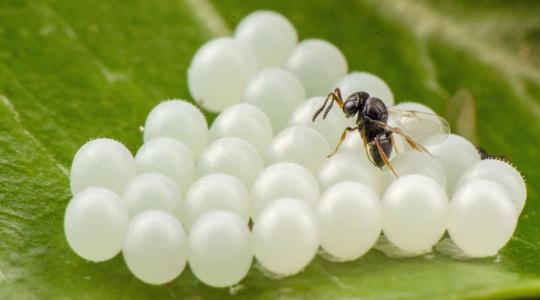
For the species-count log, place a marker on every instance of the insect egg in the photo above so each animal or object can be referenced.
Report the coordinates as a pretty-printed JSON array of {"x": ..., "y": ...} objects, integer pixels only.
[
  {"x": 366, "y": 82},
  {"x": 299, "y": 144},
  {"x": 101, "y": 163},
  {"x": 286, "y": 236},
  {"x": 95, "y": 222},
  {"x": 244, "y": 121},
  {"x": 270, "y": 35},
  {"x": 155, "y": 247},
  {"x": 415, "y": 210},
  {"x": 219, "y": 72},
  {"x": 414, "y": 106},
  {"x": 482, "y": 217},
  {"x": 455, "y": 154},
  {"x": 502, "y": 173},
  {"x": 414, "y": 162},
  {"x": 231, "y": 156},
  {"x": 179, "y": 120},
  {"x": 216, "y": 192},
  {"x": 318, "y": 64},
  {"x": 220, "y": 249},
  {"x": 283, "y": 180},
  {"x": 349, "y": 215},
  {"x": 276, "y": 92},
  {"x": 150, "y": 191},
  {"x": 168, "y": 157},
  {"x": 348, "y": 167}
]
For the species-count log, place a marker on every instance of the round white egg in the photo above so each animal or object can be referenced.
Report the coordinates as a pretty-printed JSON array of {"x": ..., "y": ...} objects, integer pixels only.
[
  {"x": 276, "y": 92},
  {"x": 284, "y": 180},
  {"x": 216, "y": 192},
  {"x": 155, "y": 247},
  {"x": 270, "y": 36},
  {"x": 455, "y": 154},
  {"x": 101, "y": 163},
  {"x": 244, "y": 121},
  {"x": 299, "y": 144},
  {"x": 414, "y": 106},
  {"x": 318, "y": 64},
  {"x": 151, "y": 191},
  {"x": 482, "y": 218},
  {"x": 350, "y": 220},
  {"x": 365, "y": 82},
  {"x": 232, "y": 156},
  {"x": 220, "y": 249},
  {"x": 331, "y": 128},
  {"x": 179, "y": 120},
  {"x": 415, "y": 213},
  {"x": 286, "y": 236},
  {"x": 219, "y": 73},
  {"x": 168, "y": 157},
  {"x": 346, "y": 166},
  {"x": 501, "y": 172},
  {"x": 414, "y": 162},
  {"x": 95, "y": 222}
]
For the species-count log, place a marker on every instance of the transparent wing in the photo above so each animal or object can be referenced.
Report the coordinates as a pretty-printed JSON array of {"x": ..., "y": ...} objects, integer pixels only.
[{"x": 419, "y": 125}]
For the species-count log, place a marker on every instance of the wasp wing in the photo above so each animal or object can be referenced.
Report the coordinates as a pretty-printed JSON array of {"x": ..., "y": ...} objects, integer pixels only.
[{"x": 419, "y": 125}]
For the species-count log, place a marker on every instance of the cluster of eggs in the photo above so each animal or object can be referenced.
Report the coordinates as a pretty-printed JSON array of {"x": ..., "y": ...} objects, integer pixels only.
[{"x": 258, "y": 182}]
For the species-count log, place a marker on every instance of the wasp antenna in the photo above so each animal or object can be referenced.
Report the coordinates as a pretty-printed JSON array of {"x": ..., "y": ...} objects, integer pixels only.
[
  {"x": 318, "y": 112},
  {"x": 328, "y": 109}
]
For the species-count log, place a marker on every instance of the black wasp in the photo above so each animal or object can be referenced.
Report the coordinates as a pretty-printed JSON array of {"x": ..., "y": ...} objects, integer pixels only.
[{"x": 372, "y": 124}]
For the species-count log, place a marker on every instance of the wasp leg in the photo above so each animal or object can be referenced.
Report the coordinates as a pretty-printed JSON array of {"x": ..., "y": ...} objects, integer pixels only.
[
  {"x": 364, "y": 140},
  {"x": 384, "y": 157},
  {"x": 343, "y": 136}
]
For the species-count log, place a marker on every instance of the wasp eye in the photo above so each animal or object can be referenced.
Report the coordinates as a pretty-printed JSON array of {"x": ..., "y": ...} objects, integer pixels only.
[{"x": 350, "y": 108}]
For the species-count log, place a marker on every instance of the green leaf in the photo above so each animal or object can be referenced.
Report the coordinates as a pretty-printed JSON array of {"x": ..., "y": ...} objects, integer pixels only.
[{"x": 74, "y": 70}]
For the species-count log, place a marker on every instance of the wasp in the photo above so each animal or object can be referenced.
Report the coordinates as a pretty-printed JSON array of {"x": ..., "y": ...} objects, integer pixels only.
[{"x": 372, "y": 122}]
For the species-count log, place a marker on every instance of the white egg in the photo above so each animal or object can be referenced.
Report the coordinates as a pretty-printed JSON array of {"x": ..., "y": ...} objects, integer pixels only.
[
  {"x": 101, "y": 163},
  {"x": 365, "y": 82},
  {"x": 414, "y": 162},
  {"x": 286, "y": 236},
  {"x": 414, "y": 106},
  {"x": 232, "y": 156},
  {"x": 216, "y": 192},
  {"x": 318, "y": 64},
  {"x": 331, "y": 128},
  {"x": 482, "y": 218},
  {"x": 284, "y": 180},
  {"x": 95, "y": 222},
  {"x": 219, "y": 73},
  {"x": 353, "y": 143},
  {"x": 179, "y": 120},
  {"x": 244, "y": 121},
  {"x": 415, "y": 213},
  {"x": 152, "y": 191},
  {"x": 299, "y": 144},
  {"x": 168, "y": 157},
  {"x": 270, "y": 36},
  {"x": 350, "y": 219},
  {"x": 346, "y": 166},
  {"x": 276, "y": 92},
  {"x": 455, "y": 154},
  {"x": 220, "y": 249},
  {"x": 155, "y": 247},
  {"x": 501, "y": 172}
]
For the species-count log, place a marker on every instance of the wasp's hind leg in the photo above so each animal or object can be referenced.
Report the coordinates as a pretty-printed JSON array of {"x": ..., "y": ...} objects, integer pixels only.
[{"x": 343, "y": 136}]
